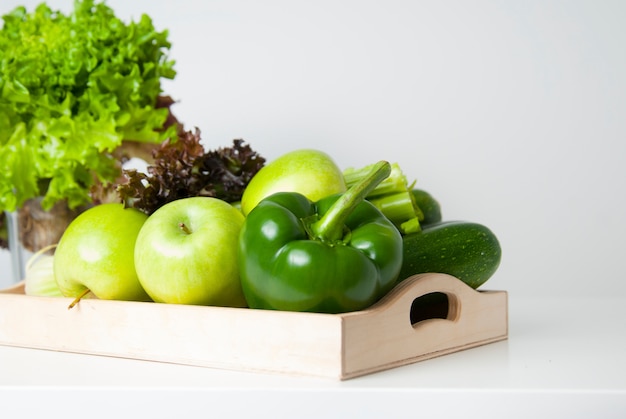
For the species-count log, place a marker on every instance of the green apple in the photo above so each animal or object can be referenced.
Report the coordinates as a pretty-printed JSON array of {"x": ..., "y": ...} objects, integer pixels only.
[
  {"x": 186, "y": 253},
  {"x": 96, "y": 254},
  {"x": 312, "y": 173}
]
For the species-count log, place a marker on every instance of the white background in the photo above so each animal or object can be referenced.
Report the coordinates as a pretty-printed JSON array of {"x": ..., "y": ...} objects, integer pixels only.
[{"x": 512, "y": 114}]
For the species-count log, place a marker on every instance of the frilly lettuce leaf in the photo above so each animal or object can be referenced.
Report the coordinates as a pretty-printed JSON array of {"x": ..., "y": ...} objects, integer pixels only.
[
  {"x": 184, "y": 169},
  {"x": 72, "y": 87}
]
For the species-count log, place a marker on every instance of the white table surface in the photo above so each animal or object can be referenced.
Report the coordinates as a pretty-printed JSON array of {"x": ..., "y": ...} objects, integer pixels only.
[{"x": 564, "y": 358}]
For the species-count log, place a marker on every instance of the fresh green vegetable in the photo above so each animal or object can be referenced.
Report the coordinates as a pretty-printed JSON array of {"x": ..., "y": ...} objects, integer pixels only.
[
  {"x": 468, "y": 251},
  {"x": 429, "y": 207},
  {"x": 392, "y": 197},
  {"x": 337, "y": 255},
  {"x": 39, "y": 277},
  {"x": 184, "y": 169},
  {"x": 72, "y": 87}
]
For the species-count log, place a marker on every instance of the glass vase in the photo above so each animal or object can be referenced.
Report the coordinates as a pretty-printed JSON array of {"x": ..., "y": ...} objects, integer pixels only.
[{"x": 16, "y": 251}]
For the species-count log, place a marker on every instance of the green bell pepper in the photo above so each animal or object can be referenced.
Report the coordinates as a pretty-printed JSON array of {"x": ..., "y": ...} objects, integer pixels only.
[{"x": 337, "y": 255}]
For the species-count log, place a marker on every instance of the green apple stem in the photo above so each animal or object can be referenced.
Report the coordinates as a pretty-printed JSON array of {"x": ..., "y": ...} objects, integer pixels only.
[
  {"x": 184, "y": 227},
  {"x": 78, "y": 298}
]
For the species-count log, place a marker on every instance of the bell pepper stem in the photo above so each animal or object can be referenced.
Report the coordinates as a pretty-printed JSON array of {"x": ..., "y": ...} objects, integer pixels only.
[
  {"x": 330, "y": 226},
  {"x": 395, "y": 182}
]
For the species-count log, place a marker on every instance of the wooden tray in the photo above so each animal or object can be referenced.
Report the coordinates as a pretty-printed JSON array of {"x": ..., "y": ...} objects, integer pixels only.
[{"x": 340, "y": 346}]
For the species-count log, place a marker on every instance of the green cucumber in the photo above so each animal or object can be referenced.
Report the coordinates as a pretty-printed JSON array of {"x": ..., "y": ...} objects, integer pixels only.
[
  {"x": 466, "y": 250},
  {"x": 429, "y": 207}
]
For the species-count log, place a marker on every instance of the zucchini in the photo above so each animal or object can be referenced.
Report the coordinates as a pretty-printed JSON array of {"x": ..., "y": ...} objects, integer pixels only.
[
  {"x": 428, "y": 206},
  {"x": 466, "y": 250}
]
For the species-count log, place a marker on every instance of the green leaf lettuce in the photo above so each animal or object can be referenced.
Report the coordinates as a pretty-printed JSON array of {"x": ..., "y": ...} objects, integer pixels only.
[{"x": 72, "y": 87}]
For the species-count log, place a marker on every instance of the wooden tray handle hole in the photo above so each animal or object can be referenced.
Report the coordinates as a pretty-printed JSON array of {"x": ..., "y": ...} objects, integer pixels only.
[{"x": 434, "y": 305}]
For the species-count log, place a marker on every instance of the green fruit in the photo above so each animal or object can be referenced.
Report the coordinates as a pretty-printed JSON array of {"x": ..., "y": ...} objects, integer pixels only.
[
  {"x": 312, "y": 173},
  {"x": 96, "y": 253},
  {"x": 186, "y": 253},
  {"x": 468, "y": 251}
]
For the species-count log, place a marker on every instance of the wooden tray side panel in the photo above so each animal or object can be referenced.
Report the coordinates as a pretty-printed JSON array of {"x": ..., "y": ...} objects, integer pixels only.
[
  {"x": 336, "y": 346},
  {"x": 383, "y": 337},
  {"x": 239, "y": 339}
]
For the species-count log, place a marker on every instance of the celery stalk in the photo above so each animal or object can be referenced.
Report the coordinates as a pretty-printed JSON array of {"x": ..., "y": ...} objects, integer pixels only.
[
  {"x": 392, "y": 197},
  {"x": 398, "y": 207},
  {"x": 395, "y": 182}
]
